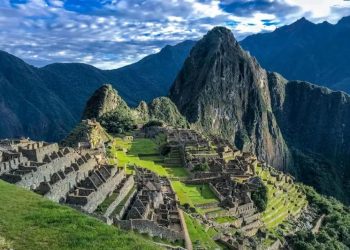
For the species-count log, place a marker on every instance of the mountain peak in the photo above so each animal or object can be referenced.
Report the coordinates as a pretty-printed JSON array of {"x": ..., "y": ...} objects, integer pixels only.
[
  {"x": 104, "y": 100},
  {"x": 222, "y": 33},
  {"x": 302, "y": 22},
  {"x": 344, "y": 20}
]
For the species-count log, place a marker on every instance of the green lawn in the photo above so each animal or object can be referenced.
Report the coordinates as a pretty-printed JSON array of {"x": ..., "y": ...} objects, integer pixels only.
[
  {"x": 199, "y": 237},
  {"x": 152, "y": 162},
  {"x": 29, "y": 221},
  {"x": 193, "y": 194}
]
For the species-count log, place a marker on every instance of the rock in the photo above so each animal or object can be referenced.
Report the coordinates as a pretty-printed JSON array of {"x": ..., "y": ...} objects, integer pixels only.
[{"x": 222, "y": 89}]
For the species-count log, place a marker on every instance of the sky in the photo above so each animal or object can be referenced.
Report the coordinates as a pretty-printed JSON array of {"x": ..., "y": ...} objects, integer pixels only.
[{"x": 112, "y": 33}]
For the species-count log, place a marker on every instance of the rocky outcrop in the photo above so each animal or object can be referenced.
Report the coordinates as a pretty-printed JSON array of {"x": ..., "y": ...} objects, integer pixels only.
[
  {"x": 292, "y": 125},
  {"x": 104, "y": 100},
  {"x": 223, "y": 90}
]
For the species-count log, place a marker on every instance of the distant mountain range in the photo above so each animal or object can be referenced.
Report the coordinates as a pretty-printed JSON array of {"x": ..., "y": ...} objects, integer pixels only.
[
  {"x": 318, "y": 53},
  {"x": 45, "y": 103}
]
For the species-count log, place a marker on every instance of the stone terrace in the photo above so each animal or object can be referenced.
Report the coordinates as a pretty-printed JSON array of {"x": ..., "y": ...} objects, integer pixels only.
[{"x": 153, "y": 209}]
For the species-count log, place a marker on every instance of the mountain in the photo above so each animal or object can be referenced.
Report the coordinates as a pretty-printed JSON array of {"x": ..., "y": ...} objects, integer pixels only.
[
  {"x": 27, "y": 106},
  {"x": 107, "y": 107},
  {"x": 293, "y": 125},
  {"x": 45, "y": 103},
  {"x": 105, "y": 99},
  {"x": 316, "y": 53},
  {"x": 224, "y": 90}
]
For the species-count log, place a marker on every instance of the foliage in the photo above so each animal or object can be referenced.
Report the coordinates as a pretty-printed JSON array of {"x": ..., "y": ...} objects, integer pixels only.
[
  {"x": 201, "y": 167},
  {"x": 153, "y": 123},
  {"x": 335, "y": 229},
  {"x": 165, "y": 110},
  {"x": 201, "y": 238},
  {"x": 118, "y": 121},
  {"x": 260, "y": 198}
]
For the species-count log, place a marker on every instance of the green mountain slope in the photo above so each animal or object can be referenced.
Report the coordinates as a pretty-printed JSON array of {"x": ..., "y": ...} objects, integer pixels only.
[{"x": 30, "y": 222}]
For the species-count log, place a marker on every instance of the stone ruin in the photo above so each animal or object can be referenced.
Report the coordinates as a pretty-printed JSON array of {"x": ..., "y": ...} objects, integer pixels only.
[
  {"x": 153, "y": 209},
  {"x": 224, "y": 165},
  {"x": 80, "y": 178}
]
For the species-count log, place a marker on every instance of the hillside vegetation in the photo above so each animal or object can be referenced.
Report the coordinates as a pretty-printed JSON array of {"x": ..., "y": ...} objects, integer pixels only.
[{"x": 28, "y": 221}]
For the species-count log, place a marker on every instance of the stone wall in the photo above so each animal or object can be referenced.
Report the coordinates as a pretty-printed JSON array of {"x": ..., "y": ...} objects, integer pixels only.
[
  {"x": 151, "y": 228},
  {"x": 97, "y": 197},
  {"x": 246, "y": 209},
  {"x": 123, "y": 192},
  {"x": 120, "y": 215},
  {"x": 37, "y": 153},
  {"x": 216, "y": 192},
  {"x": 7, "y": 166},
  {"x": 44, "y": 172},
  {"x": 59, "y": 189}
]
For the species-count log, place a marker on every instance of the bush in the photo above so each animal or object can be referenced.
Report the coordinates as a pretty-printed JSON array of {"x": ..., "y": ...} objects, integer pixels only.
[
  {"x": 118, "y": 121},
  {"x": 259, "y": 198},
  {"x": 202, "y": 167},
  {"x": 153, "y": 123}
]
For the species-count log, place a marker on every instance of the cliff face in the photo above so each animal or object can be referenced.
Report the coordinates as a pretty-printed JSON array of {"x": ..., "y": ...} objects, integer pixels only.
[
  {"x": 104, "y": 100},
  {"x": 315, "y": 122},
  {"x": 224, "y": 91},
  {"x": 296, "y": 126}
]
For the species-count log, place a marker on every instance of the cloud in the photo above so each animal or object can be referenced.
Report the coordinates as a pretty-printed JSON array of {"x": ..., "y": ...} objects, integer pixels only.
[{"x": 113, "y": 33}]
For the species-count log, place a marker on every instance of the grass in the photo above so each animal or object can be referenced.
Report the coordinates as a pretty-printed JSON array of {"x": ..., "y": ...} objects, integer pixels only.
[
  {"x": 193, "y": 194},
  {"x": 277, "y": 207},
  {"x": 29, "y": 221},
  {"x": 225, "y": 219},
  {"x": 152, "y": 162},
  {"x": 199, "y": 236},
  {"x": 122, "y": 203},
  {"x": 101, "y": 209}
]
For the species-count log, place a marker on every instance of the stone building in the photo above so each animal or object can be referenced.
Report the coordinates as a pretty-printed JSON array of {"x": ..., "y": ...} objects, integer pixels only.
[{"x": 153, "y": 209}]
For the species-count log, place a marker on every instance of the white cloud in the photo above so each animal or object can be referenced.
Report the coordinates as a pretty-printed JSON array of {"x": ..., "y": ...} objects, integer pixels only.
[{"x": 123, "y": 31}]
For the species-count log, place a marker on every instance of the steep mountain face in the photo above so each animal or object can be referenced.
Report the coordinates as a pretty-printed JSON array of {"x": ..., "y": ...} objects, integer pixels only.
[
  {"x": 315, "y": 122},
  {"x": 303, "y": 50},
  {"x": 290, "y": 124},
  {"x": 224, "y": 90},
  {"x": 27, "y": 106},
  {"x": 45, "y": 103},
  {"x": 105, "y": 99}
]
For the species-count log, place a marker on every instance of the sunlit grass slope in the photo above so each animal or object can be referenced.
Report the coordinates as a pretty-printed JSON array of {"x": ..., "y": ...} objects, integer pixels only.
[{"x": 29, "y": 221}]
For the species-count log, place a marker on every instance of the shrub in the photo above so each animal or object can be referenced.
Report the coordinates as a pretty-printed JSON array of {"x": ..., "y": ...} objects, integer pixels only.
[
  {"x": 153, "y": 123},
  {"x": 259, "y": 198}
]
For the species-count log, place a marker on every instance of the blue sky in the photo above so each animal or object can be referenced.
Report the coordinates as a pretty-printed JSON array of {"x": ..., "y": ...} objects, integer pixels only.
[{"x": 112, "y": 33}]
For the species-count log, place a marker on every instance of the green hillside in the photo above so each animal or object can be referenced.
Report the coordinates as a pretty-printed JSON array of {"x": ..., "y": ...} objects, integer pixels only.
[{"x": 28, "y": 221}]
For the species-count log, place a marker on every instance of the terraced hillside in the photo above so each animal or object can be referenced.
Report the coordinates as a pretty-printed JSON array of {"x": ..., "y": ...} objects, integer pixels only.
[
  {"x": 285, "y": 199},
  {"x": 28, "y": 221}
]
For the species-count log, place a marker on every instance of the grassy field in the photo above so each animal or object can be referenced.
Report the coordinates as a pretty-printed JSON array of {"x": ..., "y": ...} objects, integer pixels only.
[
  {"x": 193, "y": 194},
  {"x": 144, "y": 147},
  {"x": 28, "y": 221},
  {"x": 199, "y": 237}
]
